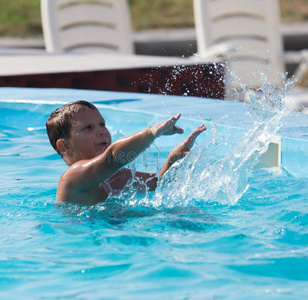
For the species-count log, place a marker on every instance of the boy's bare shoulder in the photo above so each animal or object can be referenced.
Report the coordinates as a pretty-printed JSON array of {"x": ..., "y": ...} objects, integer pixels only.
[
  {"x": 69, "y": 192},
  {"x": 66, "y": 190}
]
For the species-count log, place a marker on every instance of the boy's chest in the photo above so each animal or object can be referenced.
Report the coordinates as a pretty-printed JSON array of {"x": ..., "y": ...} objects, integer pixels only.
[
  {"x": 113, "y": 186},
  {"x": 117, "y": 182}
]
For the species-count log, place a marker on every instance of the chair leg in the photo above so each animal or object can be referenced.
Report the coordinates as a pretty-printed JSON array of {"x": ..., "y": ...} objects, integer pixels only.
[{"x": 301, "y": 72}]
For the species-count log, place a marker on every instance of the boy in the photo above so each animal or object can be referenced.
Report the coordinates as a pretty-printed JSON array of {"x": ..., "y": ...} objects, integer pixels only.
[{"x": 78, "y": 133}]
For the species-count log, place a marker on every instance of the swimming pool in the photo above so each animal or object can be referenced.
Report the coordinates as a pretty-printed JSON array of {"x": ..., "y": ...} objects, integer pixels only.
[{"x": 169, "y": 245}]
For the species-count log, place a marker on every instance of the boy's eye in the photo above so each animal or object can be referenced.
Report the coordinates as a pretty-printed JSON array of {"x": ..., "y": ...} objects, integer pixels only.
[
  {"x": 102, "y": 124},
  {"x": 88, "y": 127}
]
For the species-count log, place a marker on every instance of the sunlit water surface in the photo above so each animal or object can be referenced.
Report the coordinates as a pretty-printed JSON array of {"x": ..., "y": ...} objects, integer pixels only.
[{"x": 214, "y": 229}]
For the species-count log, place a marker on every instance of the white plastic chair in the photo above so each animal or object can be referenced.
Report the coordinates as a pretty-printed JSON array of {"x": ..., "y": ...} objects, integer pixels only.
[
  {"x": 244, "y": 33},
  {"x": 87, "y": 26}
]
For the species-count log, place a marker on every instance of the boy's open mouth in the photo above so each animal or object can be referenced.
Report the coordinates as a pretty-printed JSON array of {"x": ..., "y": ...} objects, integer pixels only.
[{"x": 103, "y": 145}]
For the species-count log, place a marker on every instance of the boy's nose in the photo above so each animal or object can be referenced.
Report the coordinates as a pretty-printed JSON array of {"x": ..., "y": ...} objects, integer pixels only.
[{"x": 101, "y": 131}]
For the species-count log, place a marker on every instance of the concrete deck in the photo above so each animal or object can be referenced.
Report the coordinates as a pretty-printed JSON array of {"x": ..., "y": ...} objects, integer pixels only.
[{"x": 43, "y": 63}]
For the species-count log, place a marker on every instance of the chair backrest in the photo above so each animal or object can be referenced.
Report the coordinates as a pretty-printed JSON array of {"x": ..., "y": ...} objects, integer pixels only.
[
  {"x": 87, "y": 25},
  {"x": 252, "y": 26}
]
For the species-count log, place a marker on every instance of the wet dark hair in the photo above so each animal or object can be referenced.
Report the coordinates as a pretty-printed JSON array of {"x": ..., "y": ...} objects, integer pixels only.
[{"x": 59, "y": 123}]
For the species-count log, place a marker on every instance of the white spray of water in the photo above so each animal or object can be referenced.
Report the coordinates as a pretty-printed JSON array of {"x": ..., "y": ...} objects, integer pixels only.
[{"x": 204, "y": 176}]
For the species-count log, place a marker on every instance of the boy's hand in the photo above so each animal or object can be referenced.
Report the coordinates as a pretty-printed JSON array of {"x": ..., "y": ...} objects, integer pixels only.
[
  {"x": 166, "y": 127},
  {"x": 184, "y": 147}
]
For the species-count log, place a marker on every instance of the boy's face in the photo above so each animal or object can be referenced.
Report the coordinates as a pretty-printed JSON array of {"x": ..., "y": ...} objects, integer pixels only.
[{"x": 89, "y": 136}]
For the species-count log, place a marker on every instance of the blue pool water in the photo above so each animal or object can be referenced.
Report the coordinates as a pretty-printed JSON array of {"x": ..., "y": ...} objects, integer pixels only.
[{"x": 246, "y": 238}]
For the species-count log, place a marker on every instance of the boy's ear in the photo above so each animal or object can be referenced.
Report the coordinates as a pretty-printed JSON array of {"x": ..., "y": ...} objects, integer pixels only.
[{"x": 62, "y": 146}]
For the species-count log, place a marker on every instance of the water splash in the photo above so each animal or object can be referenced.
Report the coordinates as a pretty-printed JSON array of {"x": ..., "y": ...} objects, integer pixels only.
[
  {"x": 203, "y": 176},
  {"x": 217, "y": 170}
]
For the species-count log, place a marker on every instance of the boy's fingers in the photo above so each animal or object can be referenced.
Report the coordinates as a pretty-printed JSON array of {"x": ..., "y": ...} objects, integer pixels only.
[
  {"x": 193, "y": 136},
  {"x": 197, "y": 131},
  {"x": 177, "y": 116},
  {"x": 167, "y": 127},
  {"x": 174, "y": 119},
  {"x": 178, "y": 129},
  {"x": 200, "y": 128}
]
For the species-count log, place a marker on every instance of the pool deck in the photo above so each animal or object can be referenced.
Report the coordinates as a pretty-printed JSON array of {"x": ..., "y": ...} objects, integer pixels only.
[{"x": 42, "y": 63}]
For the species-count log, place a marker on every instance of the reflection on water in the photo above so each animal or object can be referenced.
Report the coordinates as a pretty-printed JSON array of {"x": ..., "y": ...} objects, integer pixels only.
[{"x": 213, "y": 228}]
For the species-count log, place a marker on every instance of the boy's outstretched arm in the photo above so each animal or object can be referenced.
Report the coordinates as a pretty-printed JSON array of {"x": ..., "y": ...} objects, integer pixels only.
[
  {"x": 182, "y": 149},
  {"x": 85, "y": 174},
  {"x": 128, "y": 148}
]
